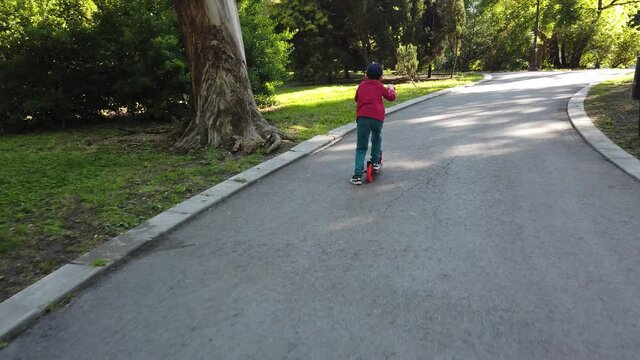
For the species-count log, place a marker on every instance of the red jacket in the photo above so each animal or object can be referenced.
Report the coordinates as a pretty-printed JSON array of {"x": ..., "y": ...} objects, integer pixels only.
[{"x": 369, "y": 98}]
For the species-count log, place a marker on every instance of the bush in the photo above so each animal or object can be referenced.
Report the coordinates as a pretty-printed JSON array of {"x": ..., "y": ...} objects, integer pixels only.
[
  {"x": 82, "y": 57},
  {"x": 407, "y": 60},
  {"x": 141, "y": 51},
  {"x": 47, "y": 71},
  {"x": 267, "y": 52}
]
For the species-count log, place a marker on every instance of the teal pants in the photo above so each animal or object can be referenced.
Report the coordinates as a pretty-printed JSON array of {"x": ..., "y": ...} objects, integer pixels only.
[{"x": 368, "y": 126}]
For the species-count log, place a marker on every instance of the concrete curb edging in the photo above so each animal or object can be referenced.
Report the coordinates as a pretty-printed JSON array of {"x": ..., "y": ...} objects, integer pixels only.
[
  {"x": 20, "y": 310},
  {"x": 596, "y": 139}
]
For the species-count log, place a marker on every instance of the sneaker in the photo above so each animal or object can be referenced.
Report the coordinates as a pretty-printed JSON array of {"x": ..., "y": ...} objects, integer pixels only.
[
  {"x": 356, "y": 180},
  {"x": 376, "y": 167}
]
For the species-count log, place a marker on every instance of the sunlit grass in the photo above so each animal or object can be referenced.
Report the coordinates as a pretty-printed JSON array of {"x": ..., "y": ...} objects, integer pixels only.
[{"x": 306, "y": 111}]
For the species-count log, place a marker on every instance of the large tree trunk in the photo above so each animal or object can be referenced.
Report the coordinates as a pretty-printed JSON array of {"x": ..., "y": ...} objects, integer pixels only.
[
  {"x": 533, "y": 59},
  {"x": 578, "y": 50},
  {"x": 223, "y": 109},
  {"x": 454, "y": 46},
  {"x": 554, "y": 48},
  {"x": 366, "y": 47},
  {"x": 586, "y": 37}
]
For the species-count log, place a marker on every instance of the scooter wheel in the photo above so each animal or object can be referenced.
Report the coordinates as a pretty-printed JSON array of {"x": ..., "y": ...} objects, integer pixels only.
[{"x": 369, "y": 171}]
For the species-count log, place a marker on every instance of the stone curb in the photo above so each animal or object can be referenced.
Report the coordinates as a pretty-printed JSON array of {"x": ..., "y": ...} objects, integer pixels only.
[
  {"x": 17, "y": 312},
  {"x": 596, "y": 139}
]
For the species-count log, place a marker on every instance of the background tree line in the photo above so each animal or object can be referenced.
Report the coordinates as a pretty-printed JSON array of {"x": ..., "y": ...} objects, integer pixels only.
[
  {"x": 67, "y": 61},
  {"x": 76, "y": 60}
]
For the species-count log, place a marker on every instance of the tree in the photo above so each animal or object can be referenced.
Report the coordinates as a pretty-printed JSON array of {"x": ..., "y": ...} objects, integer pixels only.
[
  {"x": 533, "y": 63},
  {"x": 267, "y": 52},
  {"x": 407, "y": 60},
  {"x": 411, "y": 21},
  {"x": 578, "y": 22},
  {"x": 627, "y": 47},
  {"x": 499, "y": 35},
  {"x": 454, "y": 22},
  {"x": 312, "y": 36},
  {"x": 223, "y": 110},
  {"x": 431, "y": 35}
]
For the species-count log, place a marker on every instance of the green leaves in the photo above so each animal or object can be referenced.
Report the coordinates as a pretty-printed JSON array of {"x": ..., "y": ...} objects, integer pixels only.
[
  {"x": 267, "y": 51},
  {"x": 573, "y": 33},
  {"x": 407, "y": 60},
  {"x": 67, "y": 61}
]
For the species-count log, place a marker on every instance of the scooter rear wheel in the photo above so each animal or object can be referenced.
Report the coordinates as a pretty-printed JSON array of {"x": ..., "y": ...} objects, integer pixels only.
[{"x": 369, "y": 171}]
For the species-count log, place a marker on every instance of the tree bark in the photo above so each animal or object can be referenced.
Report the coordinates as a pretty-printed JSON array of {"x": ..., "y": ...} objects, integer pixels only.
[
  {"x": 533, "y": 60},
  {"x": 578, "y": 51},
  {"x": 366, "y": 49},
  {"x": 454, "y": 44},
  {"x": 223, "y": 110},
  {"x": 586, "y": 37},
  {"x": 554, "y": 48},
  {"x": 455, "y": 63}
]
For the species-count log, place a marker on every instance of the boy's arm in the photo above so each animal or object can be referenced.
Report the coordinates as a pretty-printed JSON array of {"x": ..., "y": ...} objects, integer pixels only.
[
  {"x": 389, "y": 93},
  {"x": 356, "y": 97}
]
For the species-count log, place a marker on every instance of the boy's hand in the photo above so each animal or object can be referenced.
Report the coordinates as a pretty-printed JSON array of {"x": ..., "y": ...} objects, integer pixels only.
[{"x": 391, "y": 87}]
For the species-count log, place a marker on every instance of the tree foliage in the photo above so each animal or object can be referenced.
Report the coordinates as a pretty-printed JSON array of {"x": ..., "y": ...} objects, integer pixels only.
[
  {"x": 431, "y": 34},
  {"x": 267, "y": 51},
  {"x": 407, "y": 61},
  {"x": 70, "y": 60},
  {"x": 64, "y": 61},
  {"x": 454, "y": 23},
  {"x": 572, "y": 33}
]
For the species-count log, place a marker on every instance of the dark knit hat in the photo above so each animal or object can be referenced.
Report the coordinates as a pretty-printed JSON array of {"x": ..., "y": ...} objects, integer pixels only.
[{"x": 374, "y": 71}]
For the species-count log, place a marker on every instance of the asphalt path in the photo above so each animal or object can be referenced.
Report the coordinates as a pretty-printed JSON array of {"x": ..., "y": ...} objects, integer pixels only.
[{"x": 493, "y": 232}]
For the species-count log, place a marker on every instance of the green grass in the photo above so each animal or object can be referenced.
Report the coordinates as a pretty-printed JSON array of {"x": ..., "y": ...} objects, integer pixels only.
[
  {"x": 66, "y": 192},
  {"x": 99, "y": 262},
  {"x": 59, "y": 304},
  {"x": 612, "y": 110},
  {"x": 307, "y": 111}
]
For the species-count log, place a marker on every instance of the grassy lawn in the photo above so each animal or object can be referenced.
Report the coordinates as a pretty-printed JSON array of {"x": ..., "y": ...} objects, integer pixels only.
[
  {"x": 65, "y": 192},
  {"x": 613, "y": 111}
]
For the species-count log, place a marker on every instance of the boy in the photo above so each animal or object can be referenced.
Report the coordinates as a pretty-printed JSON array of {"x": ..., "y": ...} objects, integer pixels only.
[{"x": 369, "y": 117}]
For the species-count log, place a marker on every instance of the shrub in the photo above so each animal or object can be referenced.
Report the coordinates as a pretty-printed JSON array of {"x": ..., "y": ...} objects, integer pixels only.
[
  {"x": 267, "y": 52},
  {"x": 83, "y": 56},
  {"x": 407, "y": 60},
  {"x": 141, "y": 51},
  {"x": 47, "y": 71}
]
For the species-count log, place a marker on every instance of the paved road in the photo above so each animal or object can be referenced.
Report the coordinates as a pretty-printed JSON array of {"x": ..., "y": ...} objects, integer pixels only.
[{"x": 494, "y": 232}]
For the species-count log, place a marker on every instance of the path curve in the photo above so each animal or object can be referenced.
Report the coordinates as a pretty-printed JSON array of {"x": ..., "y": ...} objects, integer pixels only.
[{"x": 598, "y": 140}]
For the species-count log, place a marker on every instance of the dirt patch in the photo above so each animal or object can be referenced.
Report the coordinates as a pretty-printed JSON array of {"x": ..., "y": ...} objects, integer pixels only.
[{"x": 27, "y": 264}]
